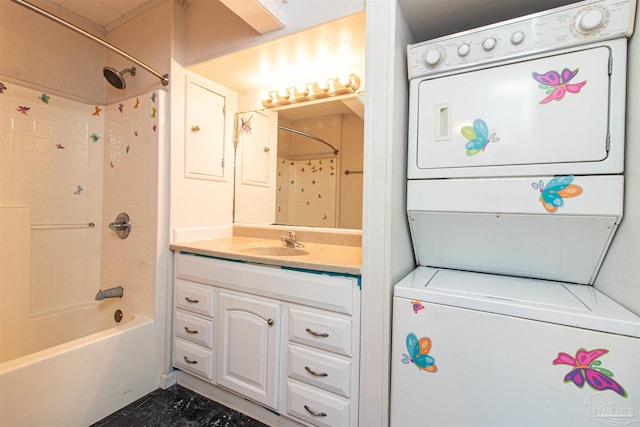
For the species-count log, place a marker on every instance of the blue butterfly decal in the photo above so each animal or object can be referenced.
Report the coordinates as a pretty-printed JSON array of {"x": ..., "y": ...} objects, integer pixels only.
[
  {"x": 419, "y": 353},
  {"x": 478, "y": 137},
  {"x": 552, "y": 194}
]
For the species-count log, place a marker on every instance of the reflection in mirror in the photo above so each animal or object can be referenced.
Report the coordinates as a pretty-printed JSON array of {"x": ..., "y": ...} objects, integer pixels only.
[{"x": 318, "y": 174}]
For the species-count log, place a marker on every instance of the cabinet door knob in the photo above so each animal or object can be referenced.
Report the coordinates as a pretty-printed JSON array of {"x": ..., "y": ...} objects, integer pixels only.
[
  {"x": 189, "y": 361},
  {"x": 190, "y": 331},
  {"x": 316, "y": 334},
  {"x": 269, "y": 322},
  {"x": 314, "y": 413},
  {"x": 314, "y": 373},
  {"x": 266, "y": 149},
  {"x": 195, "y": 128},
  {"x": 192, "y": 301}
]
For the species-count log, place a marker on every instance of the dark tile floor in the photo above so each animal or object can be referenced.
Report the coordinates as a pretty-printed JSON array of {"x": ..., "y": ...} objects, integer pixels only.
[{"x": 173, "y": 407}]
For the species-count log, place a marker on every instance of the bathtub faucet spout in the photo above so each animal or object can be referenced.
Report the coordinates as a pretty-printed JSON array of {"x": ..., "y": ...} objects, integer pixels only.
[{"x": 110, "y": 293}]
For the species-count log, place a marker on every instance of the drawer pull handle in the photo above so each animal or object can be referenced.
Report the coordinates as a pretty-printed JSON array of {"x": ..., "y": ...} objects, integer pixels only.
[
  {"x": 190, "y": 331},
  {"x": 314, "y": 373},
  {"x": 192, "y": 301},
  {"x": 314, "y": 413},
  {"x": 316, "y": 334},
  {"x": 190, "y": 362}
]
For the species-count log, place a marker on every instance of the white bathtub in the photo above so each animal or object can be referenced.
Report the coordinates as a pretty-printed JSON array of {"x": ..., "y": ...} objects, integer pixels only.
[{"x": 82, "y": 381}]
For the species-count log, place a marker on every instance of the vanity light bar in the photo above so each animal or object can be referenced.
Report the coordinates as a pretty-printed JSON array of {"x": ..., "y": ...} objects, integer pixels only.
[{"x": 317, "y": 90}]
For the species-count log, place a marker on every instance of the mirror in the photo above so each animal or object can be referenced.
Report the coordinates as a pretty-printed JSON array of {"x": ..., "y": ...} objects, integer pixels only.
[{"x": 312, "y": 171}]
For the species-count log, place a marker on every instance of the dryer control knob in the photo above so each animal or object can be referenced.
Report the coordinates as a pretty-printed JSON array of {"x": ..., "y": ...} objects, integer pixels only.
[
  {"x": 589, "y": 21},
  {"x": 432, "y": 57},
  {"x": 464, "y": 49},
  {"x": 489, "y": 43},
  {"x": 517, "y": 37}
]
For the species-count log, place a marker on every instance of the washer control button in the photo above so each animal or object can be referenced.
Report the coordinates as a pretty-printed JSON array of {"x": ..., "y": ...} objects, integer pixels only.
[
  {"x": 433, "y": 57},
  {"x": 517, "y": 37},
  {"x": 590, "y": 21},
  {"x": 489, "y": 44},
  {"x": 464, "y": 49}
]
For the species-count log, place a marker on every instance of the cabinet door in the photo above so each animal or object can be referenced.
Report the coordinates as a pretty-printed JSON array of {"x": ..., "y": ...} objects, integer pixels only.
[
  {"x": 204, "y": 133},
  {"x": 248, "y": 346}
]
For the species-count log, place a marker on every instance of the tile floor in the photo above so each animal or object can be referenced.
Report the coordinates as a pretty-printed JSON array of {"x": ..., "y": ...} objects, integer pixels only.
[{"x": 176, "y": 407}]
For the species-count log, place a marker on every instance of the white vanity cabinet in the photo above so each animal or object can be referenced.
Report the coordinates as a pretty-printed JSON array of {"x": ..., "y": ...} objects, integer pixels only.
[{"x": 283, "y": 338}]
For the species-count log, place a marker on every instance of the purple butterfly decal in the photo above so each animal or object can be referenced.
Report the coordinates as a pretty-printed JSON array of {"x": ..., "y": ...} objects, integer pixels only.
[
  {"x": 556, "y": 85},
  {"x": 417, "y": 306},
  {"x": 586, "y": 369}
]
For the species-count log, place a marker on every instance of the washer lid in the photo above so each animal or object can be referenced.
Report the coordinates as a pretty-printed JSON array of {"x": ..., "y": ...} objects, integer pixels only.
[{"x": 554, "y": 302}]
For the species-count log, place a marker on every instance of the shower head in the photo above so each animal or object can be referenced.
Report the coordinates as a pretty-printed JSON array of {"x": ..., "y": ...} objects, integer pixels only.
[{"x": 116, "y": 78}]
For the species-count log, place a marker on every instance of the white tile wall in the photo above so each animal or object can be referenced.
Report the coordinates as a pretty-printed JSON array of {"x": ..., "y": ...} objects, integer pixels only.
[{"x": 73, "y": 163}]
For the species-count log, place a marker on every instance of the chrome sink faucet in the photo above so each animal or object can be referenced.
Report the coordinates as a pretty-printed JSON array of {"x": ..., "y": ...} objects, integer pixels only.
[
  {"x": 291, "y": 241},
  {"x": 116, "y": 292}
]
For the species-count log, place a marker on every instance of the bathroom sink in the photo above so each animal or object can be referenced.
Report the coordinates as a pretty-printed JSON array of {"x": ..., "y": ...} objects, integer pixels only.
[{"x": 274, "y": 251}]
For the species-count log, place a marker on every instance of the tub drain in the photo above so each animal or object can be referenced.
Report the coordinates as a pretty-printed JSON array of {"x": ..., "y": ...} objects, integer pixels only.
[{"x": 117, "y": 316}]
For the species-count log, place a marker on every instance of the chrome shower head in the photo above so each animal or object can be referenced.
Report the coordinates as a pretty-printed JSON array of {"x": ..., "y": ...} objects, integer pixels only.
[{"x": 116, "y": 78}]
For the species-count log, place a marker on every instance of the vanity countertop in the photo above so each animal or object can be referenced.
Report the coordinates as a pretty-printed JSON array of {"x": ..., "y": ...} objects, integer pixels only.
[{"x": 313, "y": 256}]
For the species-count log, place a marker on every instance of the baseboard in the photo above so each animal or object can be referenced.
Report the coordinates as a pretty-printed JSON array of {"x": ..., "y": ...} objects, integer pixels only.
[{"x": 167, "y": 380}]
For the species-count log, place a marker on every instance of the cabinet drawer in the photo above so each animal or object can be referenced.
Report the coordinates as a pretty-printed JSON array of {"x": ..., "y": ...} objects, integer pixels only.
[
  {"x": 324, "y": 332},
  {"x": 194, "y": 297},
  {"x": 194, "y": 329},
  {"x": 317, "y": 407},
  {"x": 193, "y": 358},
  {"x": 323, "y": 370}
]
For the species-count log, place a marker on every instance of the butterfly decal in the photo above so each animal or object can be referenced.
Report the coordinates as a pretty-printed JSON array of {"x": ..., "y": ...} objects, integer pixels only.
[
  {"x": 153, "y": 96},
  {"x": 2, "y": 87},
  {"x": 121, "y": 107},
  {"x": 245, "y": 125},
  {"x": 22, "y": 109},
  {"x": 417, "y": 306},
  {"x": 557, "y": 84},
  {"x": 93, "y": 137},
  {"x": 419, "y": 353},
  {"x": 478, "y": 137},
  {"x": 153, "y": 112},
  {"x": 552, "y": 194},
  {"x": 45, "y": 98},
  {"x": 97, "y": 111},
  {"x": 137, "y": 104},
  {"x": 586, "y": 369}
]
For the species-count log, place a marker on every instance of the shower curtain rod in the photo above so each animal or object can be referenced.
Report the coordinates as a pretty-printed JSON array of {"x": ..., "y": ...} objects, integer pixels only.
[
  {"x": 164, "y": 78},
  {"x": 299, "y": 132}
]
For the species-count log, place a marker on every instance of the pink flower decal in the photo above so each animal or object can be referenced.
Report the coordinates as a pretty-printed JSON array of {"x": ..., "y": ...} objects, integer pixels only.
[{"x": 586, "y": 369}]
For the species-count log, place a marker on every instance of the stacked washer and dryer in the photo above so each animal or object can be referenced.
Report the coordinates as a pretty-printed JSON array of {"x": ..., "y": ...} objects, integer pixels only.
[{"x": 515, "y": 191}]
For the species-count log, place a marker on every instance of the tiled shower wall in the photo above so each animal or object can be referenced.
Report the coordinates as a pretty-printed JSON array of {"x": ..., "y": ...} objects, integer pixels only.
[
  {"x": 65, "y": 165},
  {"x": 130, "y": 185},
  {"x": 52, "y": 167}
]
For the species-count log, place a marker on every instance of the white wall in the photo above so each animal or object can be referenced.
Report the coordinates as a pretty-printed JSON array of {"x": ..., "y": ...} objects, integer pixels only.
[
  {"x": 147, "y": 37},
  {"x": 200, "y": 209},
  {"x": 619, "y": 277},
  {"x": 386, "y": 246},
  {"x": 39, "y": 53}
]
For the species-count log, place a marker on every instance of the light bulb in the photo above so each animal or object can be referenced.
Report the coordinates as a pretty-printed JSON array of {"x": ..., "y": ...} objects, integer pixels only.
[
  {"x": 323, "y": 85},
  {"x": 283, "y": 93},
  {"x": 345, "y": 80}
]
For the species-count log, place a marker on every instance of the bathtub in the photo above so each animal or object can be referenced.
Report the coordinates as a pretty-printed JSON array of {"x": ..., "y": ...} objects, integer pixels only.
[{"x": 81, "y": 381}]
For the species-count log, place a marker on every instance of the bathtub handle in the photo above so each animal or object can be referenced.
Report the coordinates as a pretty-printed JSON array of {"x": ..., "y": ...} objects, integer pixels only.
[
  {"x": 192, "y": 301},
  {"x": 190, "y": 331},
  {"x": 189, "y": 361}
]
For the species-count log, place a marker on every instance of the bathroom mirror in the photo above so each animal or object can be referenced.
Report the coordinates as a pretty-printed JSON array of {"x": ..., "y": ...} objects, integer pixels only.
[{"x": 308, "y": 172}]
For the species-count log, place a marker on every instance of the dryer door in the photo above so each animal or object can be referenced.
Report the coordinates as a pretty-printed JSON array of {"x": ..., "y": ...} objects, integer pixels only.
[{"x": 549, "y": 110}]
